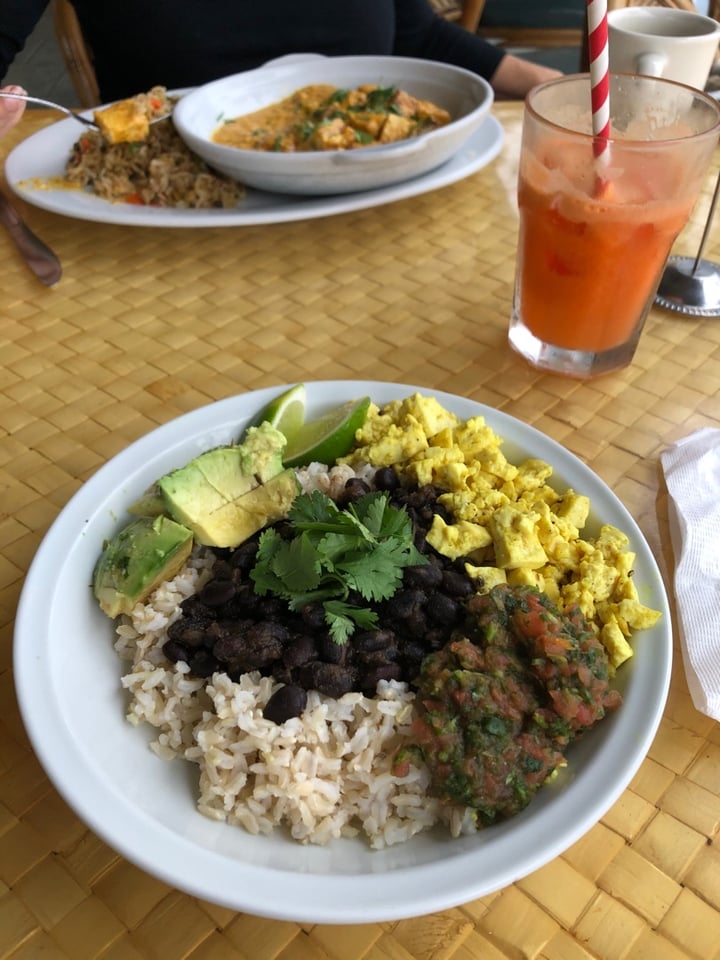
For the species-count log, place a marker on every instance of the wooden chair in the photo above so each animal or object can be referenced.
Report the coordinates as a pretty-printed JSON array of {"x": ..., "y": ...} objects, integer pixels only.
[
  {"x": 471, "y": 14},
  {"x": 465, "y": 12},
  {"x": 534, "y": 23},
  {"x": 75, "y": 53}
]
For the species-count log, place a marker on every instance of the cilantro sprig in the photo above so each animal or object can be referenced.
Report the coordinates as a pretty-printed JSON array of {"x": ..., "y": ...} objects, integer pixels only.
[{"x": 336, "y": 555}]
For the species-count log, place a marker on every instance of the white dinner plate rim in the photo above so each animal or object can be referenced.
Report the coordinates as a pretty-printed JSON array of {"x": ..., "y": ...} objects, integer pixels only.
[
  {"x": 42, "y": 156},
  {"x": 394, "y": 891}
]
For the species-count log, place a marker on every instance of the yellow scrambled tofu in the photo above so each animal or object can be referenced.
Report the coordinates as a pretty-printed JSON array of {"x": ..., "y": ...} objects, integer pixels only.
[{"x": 508, "y": 522}]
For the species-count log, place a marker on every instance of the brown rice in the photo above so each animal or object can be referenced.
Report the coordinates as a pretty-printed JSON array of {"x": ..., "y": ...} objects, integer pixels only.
[{"x": 323, "y": 775}]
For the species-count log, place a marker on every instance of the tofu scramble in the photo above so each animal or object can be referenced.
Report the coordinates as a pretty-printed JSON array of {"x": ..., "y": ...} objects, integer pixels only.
[
  {"x": 509, "y": 523},
  {"x": 351, "y": 764}
]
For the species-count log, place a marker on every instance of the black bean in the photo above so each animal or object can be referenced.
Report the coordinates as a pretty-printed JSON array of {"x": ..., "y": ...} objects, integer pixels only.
[
  {"x": 366, "y": 641},
  {"x": 424, "y": 496},
  {"x": 417, "y": 623},
  {"x": 370, "y": 680},
  {"x": 436, "y": 638},
  {"x": 272, "y": 608},
  {"x": 355, "y": 488},
  {"x": 250, "y": 647},
  {"x": 192, "y": 608},
  {"x": 215, "y": 593},
  {"x": 442, "y": 609},
  {"x": 414, "y": 651},
  {"x": 287, "y": 701},
  {"x": 330, "y": 651},
  {"x": 175, "y": 651},
  {"x": 374, "y": 658},
  {"x": 419, "y": 541},
  {"x": 189, "y": 632},
  {"x": 328, "y": 678},
  {"x": 300, "y": 649},
  {"x": 386, "y": 479},
  {"x": 313, "y": 615},
  {"x": 405, "y": 604},
  {"x": 282, "y": 673},
  {"x": 244, "y": 556},
  {"x": 203, "y": 664},
  {"x": 425, "y": 576},
  {"x": 266, "y": 641},
  {"x": 223, "y": 569},
  {"x": 457, "y": 584},
  {"x": 245, "y": 598}
]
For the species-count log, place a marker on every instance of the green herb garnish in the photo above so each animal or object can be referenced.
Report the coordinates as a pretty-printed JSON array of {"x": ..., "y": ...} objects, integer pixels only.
[
  {"x": 381, "y": 100},
  {"x": 335, "y": 555}
]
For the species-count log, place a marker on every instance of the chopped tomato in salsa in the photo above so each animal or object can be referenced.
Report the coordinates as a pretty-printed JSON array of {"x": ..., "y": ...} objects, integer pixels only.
[{"x": 499, "y": 704}]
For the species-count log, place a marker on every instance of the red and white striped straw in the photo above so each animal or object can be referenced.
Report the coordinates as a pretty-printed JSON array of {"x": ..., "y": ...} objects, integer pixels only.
[{"x": 599, "y": 74}]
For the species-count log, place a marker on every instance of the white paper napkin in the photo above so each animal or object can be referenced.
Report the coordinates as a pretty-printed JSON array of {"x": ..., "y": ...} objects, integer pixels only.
[{"x": 692, "y": 473}]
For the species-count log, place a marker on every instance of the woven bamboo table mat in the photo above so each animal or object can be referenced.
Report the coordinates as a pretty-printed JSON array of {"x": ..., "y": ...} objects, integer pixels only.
[{"x": 147, "y": 324}]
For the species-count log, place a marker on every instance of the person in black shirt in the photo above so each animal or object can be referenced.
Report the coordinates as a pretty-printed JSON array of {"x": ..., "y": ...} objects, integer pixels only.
[{"x": 137, "y": 44}]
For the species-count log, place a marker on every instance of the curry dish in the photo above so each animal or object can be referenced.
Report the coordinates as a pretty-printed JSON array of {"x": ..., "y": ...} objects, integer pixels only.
[{"x": 323, "y": 117}]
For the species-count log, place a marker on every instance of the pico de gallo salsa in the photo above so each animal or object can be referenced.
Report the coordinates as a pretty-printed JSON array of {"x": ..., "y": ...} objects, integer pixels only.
[{"x": 499, "y": 704}]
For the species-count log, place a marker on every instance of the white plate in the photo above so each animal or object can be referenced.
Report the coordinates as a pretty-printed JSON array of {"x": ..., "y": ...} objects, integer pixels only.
[
  {"x": 68, "y": 684},
  {"x": 44, "y": 154}
]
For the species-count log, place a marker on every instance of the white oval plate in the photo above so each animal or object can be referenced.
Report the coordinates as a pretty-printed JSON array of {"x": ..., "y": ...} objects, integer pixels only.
[
  {"x": 43, "y": 155},
  {"x": 68, "y": 683}
]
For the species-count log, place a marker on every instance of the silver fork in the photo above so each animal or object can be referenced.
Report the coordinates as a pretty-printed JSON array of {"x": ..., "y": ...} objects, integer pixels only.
[
  {"x": 49, "y": 103},
  {"x": 66, "y": 110}
]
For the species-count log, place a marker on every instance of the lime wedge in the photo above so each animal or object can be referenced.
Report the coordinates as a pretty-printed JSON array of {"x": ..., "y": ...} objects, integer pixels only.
[
  {"x": 286, "y": 413},
  {"x": 327, "y": 438}
]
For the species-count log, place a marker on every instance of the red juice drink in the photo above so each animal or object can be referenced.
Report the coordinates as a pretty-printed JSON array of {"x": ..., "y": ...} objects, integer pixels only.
[{"x": 595, "y": 233}]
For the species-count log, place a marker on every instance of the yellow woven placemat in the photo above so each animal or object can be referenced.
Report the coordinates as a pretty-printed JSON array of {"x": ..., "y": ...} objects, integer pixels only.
[{"x": 148, "y": 324}]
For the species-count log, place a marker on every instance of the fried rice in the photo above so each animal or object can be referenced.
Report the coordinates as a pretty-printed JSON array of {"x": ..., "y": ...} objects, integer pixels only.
[{"x": 160, "y": 171}]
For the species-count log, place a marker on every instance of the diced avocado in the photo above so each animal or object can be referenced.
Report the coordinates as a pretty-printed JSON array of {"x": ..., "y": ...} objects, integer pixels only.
[
  {"x": 205, "y": 484},
  {"x": 263, "y": 447},
  {"x": 138, "y": 558},
  {"x": 234, "y": 522},
  {"x": 150, "y": 504},
  {"x": 215, "y": 480}
]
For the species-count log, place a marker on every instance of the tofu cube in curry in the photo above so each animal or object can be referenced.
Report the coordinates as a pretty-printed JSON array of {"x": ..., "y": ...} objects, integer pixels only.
[{"x": 123, "y": 122}]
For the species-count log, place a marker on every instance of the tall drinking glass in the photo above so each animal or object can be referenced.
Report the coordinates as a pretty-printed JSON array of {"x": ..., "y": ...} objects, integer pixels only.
[{"x": 596, "y": 230}]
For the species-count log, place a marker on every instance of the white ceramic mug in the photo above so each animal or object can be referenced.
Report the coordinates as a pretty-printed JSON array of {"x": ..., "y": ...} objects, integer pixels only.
[{"x": 663, "y": 42}]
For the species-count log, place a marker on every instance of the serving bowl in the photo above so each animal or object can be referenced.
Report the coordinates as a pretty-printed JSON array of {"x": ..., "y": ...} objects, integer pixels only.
[
  {"x": 67, "y": 677},
  {"x": 465, "y": 95}
]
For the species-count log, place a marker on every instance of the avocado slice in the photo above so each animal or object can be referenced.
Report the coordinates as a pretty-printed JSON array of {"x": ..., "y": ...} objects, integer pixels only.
[
  {"x": 150, "y": 504},
  {"x": 201, "y": 494},
  {"x": 205, "y": 484},
  {"x": 138, "y": 558},
  {"x": 239, "y": 519}
]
